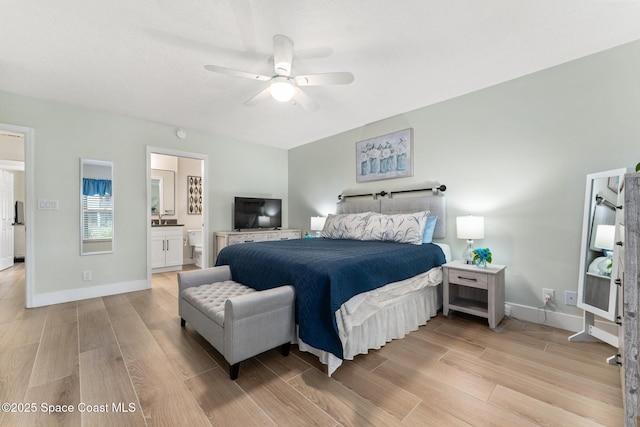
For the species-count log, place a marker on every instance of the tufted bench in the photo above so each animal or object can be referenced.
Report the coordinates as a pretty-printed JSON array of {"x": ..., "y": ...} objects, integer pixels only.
[{"x": 238, "y": 321}]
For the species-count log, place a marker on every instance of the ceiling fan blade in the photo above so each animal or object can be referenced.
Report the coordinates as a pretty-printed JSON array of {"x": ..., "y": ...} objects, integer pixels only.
[
  {"x": 237, "y": 73},
  {"x": 282, "y": 54},
  {"x": 260, "y": 96},
  {"x": 338, "y": 78},
  {"x": 304, "y": 100}
]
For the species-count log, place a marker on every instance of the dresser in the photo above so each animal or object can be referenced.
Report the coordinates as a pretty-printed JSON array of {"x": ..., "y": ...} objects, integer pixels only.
[
  {"x": 18, "y": 242},
  {"x": 227, "y": 238}
]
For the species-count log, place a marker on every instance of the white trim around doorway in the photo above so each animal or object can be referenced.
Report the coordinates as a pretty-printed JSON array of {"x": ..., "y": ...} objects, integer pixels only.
[{"x": 206, "y": 243}]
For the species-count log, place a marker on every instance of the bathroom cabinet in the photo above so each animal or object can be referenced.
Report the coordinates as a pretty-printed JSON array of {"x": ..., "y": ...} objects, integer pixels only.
[{"x": 166, "y": 248}]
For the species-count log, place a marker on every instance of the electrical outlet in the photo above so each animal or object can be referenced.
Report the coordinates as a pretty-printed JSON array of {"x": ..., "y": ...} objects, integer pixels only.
[
  {"x": 548, "y": 296},
  {"x": 571, "y": 298},
  {"x": 86, "y": 275}
]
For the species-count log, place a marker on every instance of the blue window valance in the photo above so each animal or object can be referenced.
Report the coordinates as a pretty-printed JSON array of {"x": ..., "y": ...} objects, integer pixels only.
[{"x": 96, "y": 187}]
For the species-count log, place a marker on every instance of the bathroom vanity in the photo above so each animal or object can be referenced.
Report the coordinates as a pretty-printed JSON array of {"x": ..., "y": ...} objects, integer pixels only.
[{"x": 166, "y": 248}]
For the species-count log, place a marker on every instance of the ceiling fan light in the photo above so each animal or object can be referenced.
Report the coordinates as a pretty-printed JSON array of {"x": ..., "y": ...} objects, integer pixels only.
[{"x": 281, "y": 89}]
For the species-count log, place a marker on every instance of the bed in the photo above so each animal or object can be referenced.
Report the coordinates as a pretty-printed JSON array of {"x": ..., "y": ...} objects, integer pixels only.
[{"x": 355, "y": 290}]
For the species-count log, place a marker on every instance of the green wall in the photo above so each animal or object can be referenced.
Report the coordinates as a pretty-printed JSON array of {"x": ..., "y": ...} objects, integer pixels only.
[
  {"x": 65, "y": 133},
  {"x": 517, "y": 153}
]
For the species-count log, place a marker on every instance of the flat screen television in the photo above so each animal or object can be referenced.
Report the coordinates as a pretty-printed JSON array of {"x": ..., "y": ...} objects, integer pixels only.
[{"x": 257, "y": 212}]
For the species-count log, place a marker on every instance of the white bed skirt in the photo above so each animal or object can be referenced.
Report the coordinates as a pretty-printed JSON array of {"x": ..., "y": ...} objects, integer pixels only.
[{"x": 370, "y": 320}]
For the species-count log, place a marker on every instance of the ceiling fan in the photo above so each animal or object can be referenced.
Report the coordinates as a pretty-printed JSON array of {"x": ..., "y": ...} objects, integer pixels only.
[{"x": 283, "y": 86}]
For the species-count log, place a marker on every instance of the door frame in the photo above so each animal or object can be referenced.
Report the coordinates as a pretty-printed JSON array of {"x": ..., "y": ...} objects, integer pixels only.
[
  {"x": 205, "y": 215},
  {"x": 30, "y": 203}
]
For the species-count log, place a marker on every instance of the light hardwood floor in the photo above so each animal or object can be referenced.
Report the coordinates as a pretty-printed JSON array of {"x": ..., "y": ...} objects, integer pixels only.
[{"x": 129, "y": 352}]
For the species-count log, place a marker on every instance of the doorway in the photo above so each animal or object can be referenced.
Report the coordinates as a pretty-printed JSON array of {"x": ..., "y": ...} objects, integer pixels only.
[
  {"x": 169, "y": 173},
  {"x": 17, "y": 160}
]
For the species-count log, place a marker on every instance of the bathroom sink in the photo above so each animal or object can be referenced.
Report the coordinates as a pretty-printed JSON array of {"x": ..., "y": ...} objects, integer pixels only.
[{"x": 165, "y": 223}]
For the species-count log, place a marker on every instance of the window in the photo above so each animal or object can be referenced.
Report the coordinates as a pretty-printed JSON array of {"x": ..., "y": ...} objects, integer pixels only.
[{"x": 97, "y": 217}]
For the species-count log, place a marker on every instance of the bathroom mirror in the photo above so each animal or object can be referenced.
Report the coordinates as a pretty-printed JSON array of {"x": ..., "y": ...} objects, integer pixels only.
[
  {"x": 96, "y": 207},
  {"x": 163, "y": 199},
  {"x": 596, "y": 291}
]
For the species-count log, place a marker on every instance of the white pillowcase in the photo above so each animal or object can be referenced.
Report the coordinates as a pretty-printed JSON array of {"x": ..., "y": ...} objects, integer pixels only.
[
  {"x": 401, "y": 228},
  {"x": 345, "y": 226}
]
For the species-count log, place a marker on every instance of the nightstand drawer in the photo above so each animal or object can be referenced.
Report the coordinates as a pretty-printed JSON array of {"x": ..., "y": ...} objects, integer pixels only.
[{"x": 468, "y": 278}]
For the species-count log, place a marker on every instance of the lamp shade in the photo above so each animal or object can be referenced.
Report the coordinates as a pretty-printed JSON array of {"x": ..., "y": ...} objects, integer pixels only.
[
  {"x": 605, "y": 234},
  {"x": 470, "y": 227},
  {"x": 317, "y": 222},
  {"x": 264, "y": 221}
]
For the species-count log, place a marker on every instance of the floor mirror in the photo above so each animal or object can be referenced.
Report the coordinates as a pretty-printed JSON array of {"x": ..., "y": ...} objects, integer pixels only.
[
  {"x": 597, "y": 292},
  {"x": 96, "y": 207}
]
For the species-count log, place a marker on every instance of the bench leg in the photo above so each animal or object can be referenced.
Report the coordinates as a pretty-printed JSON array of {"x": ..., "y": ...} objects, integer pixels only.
[
  {"x": 234, "y": 370},
  {"x": 182, "y": 322},
  {"x": 284, "y": 349}
]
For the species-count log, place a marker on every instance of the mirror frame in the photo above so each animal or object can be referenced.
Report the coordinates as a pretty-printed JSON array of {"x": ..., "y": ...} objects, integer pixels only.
[
  {"x": 99, "y": 163},
  {"x": 589, "y": 209}
]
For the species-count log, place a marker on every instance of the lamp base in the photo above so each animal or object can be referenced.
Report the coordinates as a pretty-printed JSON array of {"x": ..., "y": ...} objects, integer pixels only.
[{"x": 467, "y": 255}]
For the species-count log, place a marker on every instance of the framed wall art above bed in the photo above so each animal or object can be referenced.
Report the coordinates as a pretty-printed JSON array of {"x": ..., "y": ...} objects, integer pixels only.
[{"x": 384, "y": 157}]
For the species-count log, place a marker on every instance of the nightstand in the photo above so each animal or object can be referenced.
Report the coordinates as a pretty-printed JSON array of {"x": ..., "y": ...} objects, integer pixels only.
[{"x": 473, "y": 290}]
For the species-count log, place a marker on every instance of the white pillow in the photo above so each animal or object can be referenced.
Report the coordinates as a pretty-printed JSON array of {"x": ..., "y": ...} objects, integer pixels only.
[
  {"x": 375, "y": 228},
  {"x": 401, "y": 228},
  {"x": 345, "y": 226}
]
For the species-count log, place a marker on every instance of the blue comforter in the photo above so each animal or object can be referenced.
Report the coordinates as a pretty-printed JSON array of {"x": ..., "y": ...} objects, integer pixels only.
[{"x": 326, "y": 273}]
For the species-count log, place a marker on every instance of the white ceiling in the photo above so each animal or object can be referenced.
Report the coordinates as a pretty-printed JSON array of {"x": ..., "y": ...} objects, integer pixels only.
[{"x": 145, "y": 58}]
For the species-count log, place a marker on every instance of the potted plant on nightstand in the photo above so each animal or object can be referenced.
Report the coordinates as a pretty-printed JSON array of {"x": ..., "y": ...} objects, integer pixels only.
[{"x": 482, "y": 256}]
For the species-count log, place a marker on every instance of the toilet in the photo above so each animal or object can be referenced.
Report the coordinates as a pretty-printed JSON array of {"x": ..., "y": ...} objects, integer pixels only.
[{"x": 195, "y": 241}]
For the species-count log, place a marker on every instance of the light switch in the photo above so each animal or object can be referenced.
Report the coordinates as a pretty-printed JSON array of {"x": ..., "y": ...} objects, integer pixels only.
[{"x": 47, "y": 204}]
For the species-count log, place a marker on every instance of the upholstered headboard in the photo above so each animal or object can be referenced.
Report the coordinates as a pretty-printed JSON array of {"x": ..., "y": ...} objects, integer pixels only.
[{"x": 434, "y": 204}]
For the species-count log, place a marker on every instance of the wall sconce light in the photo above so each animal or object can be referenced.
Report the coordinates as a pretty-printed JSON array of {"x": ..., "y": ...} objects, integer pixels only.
[{"x": 469, "y": 227}]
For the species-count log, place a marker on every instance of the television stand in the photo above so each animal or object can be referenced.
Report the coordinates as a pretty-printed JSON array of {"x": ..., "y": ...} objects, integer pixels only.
[{"x": 227, "y": 238}]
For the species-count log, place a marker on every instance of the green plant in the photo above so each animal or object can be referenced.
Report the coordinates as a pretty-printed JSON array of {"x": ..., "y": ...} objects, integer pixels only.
[
  {"x": 638, "y": 167},
  {"x": 483, "y": 254}
]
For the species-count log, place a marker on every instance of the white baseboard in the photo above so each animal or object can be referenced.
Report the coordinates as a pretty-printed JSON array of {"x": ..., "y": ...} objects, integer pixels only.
[
  {"x": 564, "y": 321},
  {"x": 86, "y": 293}
]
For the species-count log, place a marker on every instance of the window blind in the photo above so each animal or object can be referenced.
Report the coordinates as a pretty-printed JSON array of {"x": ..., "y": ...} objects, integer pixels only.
[{"x": 97, "y": 217}]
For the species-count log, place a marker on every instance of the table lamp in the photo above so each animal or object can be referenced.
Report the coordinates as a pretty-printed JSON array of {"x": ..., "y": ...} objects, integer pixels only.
[
  {"x": 605, "y": 235},
  {"x": 469, "y": 227},
  {"x": 317, "y": 224}
]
